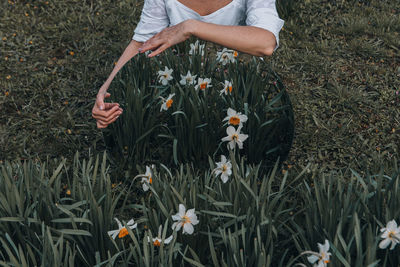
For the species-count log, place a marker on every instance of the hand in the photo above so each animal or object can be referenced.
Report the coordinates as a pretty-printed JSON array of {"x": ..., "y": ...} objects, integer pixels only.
[
  {"x": 166, "y": 38},
  {"x": 105, "y": 113}
]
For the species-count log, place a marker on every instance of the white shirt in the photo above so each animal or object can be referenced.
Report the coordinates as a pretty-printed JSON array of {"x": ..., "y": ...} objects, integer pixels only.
[{"x": 159, "y": 14}]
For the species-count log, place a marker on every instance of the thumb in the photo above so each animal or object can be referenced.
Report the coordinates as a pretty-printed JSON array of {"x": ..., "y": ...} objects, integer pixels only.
[{"x": 100, "y": 102}]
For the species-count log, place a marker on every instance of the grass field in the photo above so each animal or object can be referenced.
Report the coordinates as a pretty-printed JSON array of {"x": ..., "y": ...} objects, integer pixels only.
[{"x": 340, "y": 61}]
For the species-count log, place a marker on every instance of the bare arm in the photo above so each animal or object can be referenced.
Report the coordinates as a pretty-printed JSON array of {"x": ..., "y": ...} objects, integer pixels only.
[
  {"x": 252, "y": 40},
  {"x": 106, "y": 113}
]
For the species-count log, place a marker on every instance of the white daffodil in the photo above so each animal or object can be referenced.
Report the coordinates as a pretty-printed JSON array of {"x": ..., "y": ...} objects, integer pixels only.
[
  {"x": 165, "y": 75},
  {"x": 203, "y": 83},
  {"x": 167, "y": 103},
  {"x": 148, "y": 179},
  {"x": 122, "y": 231},
  {"x": 391, "y": 234},
  {"x": 225, "y": 56},
  {"x": 158, "y": 240},
  {"x": 184, "y": 220},
  {"x": 235, "y": 118},
  {"x": 196, "y": 48},
  {"x": 188, "y": 79},
  {"x": 323, "y": 256},
  {"x": 224, "y": 168},
  {"x": 227, "y": 88},
  {"x": 235, "y": 137}
]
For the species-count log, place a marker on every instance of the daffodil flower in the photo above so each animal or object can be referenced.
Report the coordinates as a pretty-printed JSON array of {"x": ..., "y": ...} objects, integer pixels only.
[
  {"x": 158, "y": 240},
  {"x": 235, "y": 118},
  {"x": 122, "y": 231},
  {"x": 184, "y": 220},
  {"x": 391, "y": 234},
  {"x": 188, "y": 79},
  {"x": 165, "y": 75},
  {"x": 227, "y": 88},
  {"x": 224, "y": 167},
  {"x": 225, "y": 56},
  {"x": 203, "y": 84},
  {"x": 148, "y": 179},
  {"x": 196, "y": 48},
  {"x": 167, "y": 103},
  {"x": 322, "y": 258},
  {"x": 235, "y": 137}
]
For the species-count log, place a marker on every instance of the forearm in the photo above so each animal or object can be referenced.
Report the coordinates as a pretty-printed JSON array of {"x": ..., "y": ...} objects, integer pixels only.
[
  {"x": 248, "y": 39},
  {"x": 130, "y": 51}
]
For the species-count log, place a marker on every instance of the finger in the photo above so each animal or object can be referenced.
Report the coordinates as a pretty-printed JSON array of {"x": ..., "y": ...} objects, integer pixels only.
[
  {"x": 106, "y": 95},
  {"x": 110, "y": 105},
  {"x": 104, "y": 114},
  {"x": 108, "y": 118},
  {"x": 159, "y": 50},
  {"x": 101, "y": 124},
  {"x": 152, "y": 45}
]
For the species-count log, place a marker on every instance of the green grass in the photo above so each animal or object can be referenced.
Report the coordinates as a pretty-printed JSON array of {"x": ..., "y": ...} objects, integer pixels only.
[{"x": 339, "y": 60}]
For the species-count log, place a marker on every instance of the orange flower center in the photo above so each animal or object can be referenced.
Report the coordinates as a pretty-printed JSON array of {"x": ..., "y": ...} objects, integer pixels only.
[
  {"x": 150, "y": 180},
  {"x": 156, "y": 243},
  {"x": 234, "y": 120},
  {"x": 68, "y": 192},
  {"x": 186, "y": 219},
  {"x": 123, "y": 232},
  {"x": 224, "y": 168},
  {"x": 235, "y": 53},
  {"x": 169, "y": 103},
  {"x": 203, "y": 86},
  {"x": 230, "y": 89}
]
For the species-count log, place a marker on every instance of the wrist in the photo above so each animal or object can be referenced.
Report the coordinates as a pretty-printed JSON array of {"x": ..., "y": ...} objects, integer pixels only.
[{"x": 190, "y": 27}]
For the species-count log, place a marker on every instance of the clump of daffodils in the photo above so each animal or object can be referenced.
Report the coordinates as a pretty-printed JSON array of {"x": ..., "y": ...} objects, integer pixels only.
[
  {"x": 226, "y": 56},
  {"x": 164, "y": 76},
  {"x": 167, "y": 103},
  {"x": 227, "y": 88},
  {"x": 185, "y": 220},
  {"x": 158, "y": 240},
  {"x": 196, "y": 48},
  {"x": 203, "y": 84},
  {"x": 122, "y": 231},
  {"x": 188, "y": 79},
  {"x": 234, "y": 137},
  {"x": 235, "y": 118},
  {"x": 320, "y": 259},
  {"x": 390, "y": 235},
  {"x": 224, "y": 168},
  {"x": 147, "y": 179}
]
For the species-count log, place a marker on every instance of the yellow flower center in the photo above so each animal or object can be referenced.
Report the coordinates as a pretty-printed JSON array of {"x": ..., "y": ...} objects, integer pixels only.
[
  {"x": 234, "y": 120},
  {"x": 68, "y": 192},
  {"x": 391, "y": 235},
  {"x": 169, "y": 103},
  {"x": 235, "y": 137},
  {"x": 165, "y": 76},
  {"x": 203, "y": 85},
  {"x": 224, "y": 56},
  {"x": 189, "y": 79},
  {"x": 123, "y": 232},
  {"x": 186, "y": 219},
  {"x": 156, "y": 243}
]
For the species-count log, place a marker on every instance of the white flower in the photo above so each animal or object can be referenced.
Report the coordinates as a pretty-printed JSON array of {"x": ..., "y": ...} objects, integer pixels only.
[
  {"x": 196, "y": 48},
  {"x": 227, "y": 88},
  {"x": 167, "y": 103},
  {"x": 203, "y": 83},
  {"x": 225, "y": 56},
  {"x": 165, "y": 75},
  {"x": 323, "y": 256},
  {"x": 148, "y": 179},
  {"x": 158, "y": 240},
  {"x": 235, "y": 118},
  {"x": 188, "y": 79},
  {"x": 224, "y": 168},
  {"x": 122, "y": 231},
  {"x": 184, "y": 219},
  {"x": 391, "y": 234},
  {"x": 235, "y": 137}
]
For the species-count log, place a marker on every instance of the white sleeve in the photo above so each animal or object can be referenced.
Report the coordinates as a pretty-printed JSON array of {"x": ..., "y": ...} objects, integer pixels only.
[
  {"x": 154, "y": 19},
  {"x": 263, "y": 14}
]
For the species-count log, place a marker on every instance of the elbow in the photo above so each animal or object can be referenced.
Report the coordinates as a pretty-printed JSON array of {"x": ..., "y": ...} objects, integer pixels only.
[{"x": 268, "y": 50}]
